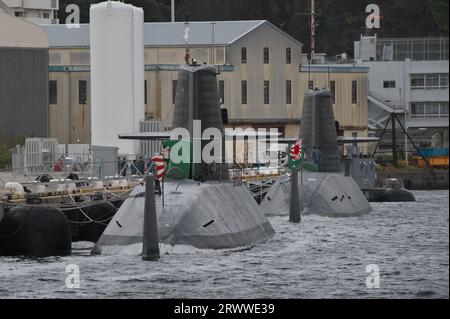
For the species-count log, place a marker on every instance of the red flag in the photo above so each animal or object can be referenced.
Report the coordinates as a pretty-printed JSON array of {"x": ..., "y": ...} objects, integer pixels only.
[
  {"x": 159, "y": 163},
  {"x": 296, "y": 150}
]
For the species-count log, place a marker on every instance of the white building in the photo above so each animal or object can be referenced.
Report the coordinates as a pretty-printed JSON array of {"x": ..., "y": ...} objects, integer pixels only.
[
  {"x": 36, "y": 11},
  {"x": 407, "y": 75}
]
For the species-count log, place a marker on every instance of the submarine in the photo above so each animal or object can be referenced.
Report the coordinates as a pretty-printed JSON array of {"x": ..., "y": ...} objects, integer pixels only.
[
  {"x": 197, "y": 204},
  {"x": 324, "y": 189}
]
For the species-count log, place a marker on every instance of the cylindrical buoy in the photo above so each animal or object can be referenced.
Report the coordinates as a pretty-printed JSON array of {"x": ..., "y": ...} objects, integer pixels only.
[
  {"x": 35, "y": 231},
  {"x": 89, "y": 224},
  {"x": 395, "y": 195},
  {"x": 150, "y": 240}
]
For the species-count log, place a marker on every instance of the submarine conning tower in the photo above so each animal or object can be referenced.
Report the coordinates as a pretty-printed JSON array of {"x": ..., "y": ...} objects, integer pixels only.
[
  {"x": 318, "y": 129},
  {"x": 197, "y": 98}
]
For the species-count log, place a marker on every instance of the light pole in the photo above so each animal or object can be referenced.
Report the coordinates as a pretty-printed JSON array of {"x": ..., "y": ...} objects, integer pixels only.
[
  {"x": 213, "y": 24},
  {"x": 172, "y": 10}
]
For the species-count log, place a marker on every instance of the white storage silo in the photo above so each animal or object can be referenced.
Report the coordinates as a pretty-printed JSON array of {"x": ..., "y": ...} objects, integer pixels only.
[{"x": 117, "y": 73}]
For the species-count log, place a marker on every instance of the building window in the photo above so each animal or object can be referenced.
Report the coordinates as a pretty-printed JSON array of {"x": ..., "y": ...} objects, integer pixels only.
[
  {"x": 266, "y": 92},
  {"x": 46, "y": 15},
  {"x": 288, "y": 92},
  {"x": 18, "y": 14},
  {"x": 52, "y": 92},
  {"x": 443, "y": 109},
  {"x": 82, "y": 92},
  {"x": 430, "y": 81},
  {"x": 221, "y": 91},
  {"x": 174, "y": 90},
  {"x": 288, "y": 56},
  {"x": 429, "y": 109},
  {"x": 354, "y": 92},
  {"x": 145, "y": 91},
  {"x": 266, "y": 55},
  {"x": 354, "y": 134},
  {"x": 417, "y": 81},
  {"x": 418, "y": 109},
  {"x": 443, "y": 81},
  {"x": 388, "y": 84},
  {"x": 333, "y": 91},
  {"x": 244, "y": 92},
  {"x": 243, "y": 55},
  {"x": 311, "y": 85}
]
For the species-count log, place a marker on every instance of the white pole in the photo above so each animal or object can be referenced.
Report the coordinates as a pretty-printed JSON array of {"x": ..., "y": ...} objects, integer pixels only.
[
  {"x": 172, "y": 10},
  {"x": 213, "y": 43},
  {"x": 406, "y": 136}
]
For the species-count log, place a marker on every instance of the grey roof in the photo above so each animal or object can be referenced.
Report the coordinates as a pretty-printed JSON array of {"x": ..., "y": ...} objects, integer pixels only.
[
  {"x": 60, "y": 35},
  {"x": 165, "y": 33}
]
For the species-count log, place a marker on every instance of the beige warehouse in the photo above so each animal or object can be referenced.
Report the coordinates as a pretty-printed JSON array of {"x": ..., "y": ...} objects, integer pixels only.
[{"x": 261, "y": 80}]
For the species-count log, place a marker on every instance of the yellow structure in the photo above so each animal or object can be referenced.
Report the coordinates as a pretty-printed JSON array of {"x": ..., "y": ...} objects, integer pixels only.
[
  {"x": 348, "y": 86},
  {"x": 261, "y": 80}
]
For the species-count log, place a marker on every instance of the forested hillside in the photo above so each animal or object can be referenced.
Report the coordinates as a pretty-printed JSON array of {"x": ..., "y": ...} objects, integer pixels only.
[{"x": 340, "y": 22}]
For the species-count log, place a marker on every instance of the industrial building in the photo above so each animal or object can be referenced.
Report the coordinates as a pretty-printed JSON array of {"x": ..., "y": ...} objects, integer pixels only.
[
  {"x": 348, "y": 86},
  {"x": 261, "y": 80},
  {"x": 23, "y": 78},
  {"x": 258, "y": 64},
  {"x": 36, "y": 11},
  {"x": 408, "y": 77}
]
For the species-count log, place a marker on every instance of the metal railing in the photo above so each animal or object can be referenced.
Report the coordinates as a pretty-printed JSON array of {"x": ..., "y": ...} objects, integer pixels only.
[{"x": 416, "y": 49}]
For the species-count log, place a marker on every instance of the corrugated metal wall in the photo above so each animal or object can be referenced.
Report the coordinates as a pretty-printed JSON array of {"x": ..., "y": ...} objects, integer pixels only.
[
  {"x": 148, "y": 148},
  {"x": 23, "y": 92}
]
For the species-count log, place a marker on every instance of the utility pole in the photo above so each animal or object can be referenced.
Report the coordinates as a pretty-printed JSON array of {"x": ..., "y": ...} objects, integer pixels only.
[
  {"x": 394, "y": 140},
  {"x": 406, "y": 136},
  {"x": 312, "y": 15},
  {"x": 172, "y": 10},
  {"x": 313, "y": 30},
  {"x": 187, "y": 54},
  {"x": 213, "y": 24}
]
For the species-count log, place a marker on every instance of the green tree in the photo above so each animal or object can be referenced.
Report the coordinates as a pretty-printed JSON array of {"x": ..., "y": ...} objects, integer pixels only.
[
  {"x": 340, "y": 22},
  {"x": 6, "y": 146},
  {"x": 439, "y": 12},
  {"x": 154, "y": 10}
]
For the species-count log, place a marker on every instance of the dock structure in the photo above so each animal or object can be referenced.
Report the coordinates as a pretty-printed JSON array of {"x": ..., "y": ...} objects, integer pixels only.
[{"x": 57, "y": 192}]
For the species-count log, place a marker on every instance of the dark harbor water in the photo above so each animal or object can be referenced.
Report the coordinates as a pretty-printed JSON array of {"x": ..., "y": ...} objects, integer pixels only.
[{"x": 320, "y": 258}]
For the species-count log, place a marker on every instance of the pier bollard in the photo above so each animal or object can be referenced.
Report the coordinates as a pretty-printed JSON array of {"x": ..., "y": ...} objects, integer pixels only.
[
  {"x": 294, "y": 207},
  {"x": 150, "y": 238}
]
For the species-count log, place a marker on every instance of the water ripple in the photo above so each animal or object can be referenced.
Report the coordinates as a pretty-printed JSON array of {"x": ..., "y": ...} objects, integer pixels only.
[{"x": 320, "y": 258}]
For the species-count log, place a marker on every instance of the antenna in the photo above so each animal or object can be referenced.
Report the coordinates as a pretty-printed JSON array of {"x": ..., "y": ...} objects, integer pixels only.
[
  {"x": 313, "y": 30},
  {"x": 187, "y": 54},
  {"x": 312, "y": 15}
]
